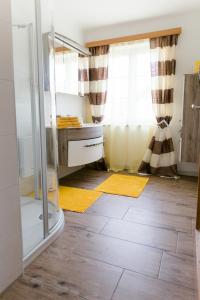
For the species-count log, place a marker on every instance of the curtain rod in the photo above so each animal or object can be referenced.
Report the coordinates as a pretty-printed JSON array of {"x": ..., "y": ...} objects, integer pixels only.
[{"x": 129, "y": 38}]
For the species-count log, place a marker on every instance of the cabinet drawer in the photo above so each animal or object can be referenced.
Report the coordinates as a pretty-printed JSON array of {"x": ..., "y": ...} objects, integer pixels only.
[
  {"x": 84, "y": 151},
  {"x": 84, "y": 133}
]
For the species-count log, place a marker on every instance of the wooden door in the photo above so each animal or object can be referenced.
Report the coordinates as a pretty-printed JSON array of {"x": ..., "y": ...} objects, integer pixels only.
[{"x": 190, "y": 146}]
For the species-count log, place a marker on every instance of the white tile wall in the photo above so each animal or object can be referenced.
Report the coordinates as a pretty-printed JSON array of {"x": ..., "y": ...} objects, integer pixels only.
[
  {"x": 10, "y": 223},
  {"x": 5, "y": 11},
  {"x": 8, "y": 161},
  {"x": 7, "y": 108},
  {"x": 10, "y": 264},
  {"x": 70, "y": 105},
  {"x": 6, "y": 71}
]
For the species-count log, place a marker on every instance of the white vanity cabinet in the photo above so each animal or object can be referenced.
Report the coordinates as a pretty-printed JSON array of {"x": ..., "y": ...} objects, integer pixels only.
[
  {"x": 84, "y": 151},
  {"x": 80, "y": 146}
]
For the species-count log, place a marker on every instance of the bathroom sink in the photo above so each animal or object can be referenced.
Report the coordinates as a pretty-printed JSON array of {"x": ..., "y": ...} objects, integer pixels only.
[{"x": 91, "y": 124}]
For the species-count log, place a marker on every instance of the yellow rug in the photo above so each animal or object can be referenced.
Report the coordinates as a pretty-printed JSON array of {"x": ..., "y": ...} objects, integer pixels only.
[
  {"x": 125, "y": 185},
  {"x": 75, "y": 199}
]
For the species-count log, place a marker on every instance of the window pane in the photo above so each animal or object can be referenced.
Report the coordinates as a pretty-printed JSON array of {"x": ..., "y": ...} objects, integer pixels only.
[{"x": 129, "y": 85}]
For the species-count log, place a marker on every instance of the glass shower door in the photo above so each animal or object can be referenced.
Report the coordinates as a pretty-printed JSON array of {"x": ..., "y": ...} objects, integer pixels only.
[
  {"x": 28, "y": 122},
  {"x": 48, "y": 70}
]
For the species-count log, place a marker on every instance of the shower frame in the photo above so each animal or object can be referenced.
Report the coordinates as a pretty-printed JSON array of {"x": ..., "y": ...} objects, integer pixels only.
[{"x": 39, "y": 133}]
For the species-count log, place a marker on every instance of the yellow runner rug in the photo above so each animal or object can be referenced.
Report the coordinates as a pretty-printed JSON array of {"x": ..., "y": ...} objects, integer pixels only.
[
  {"x": 125, "y": 185},
  {"x": 75, "y": 199}
]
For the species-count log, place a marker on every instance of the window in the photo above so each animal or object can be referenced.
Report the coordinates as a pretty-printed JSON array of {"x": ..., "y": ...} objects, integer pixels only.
[{"x": 129, "y": 85}]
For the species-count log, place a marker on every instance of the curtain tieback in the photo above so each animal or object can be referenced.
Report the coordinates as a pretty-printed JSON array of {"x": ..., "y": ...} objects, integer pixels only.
[{"x": 162, "y": 124}]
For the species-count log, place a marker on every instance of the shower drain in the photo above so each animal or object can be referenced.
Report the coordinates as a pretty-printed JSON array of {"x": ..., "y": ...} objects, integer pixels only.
[{"x": 41, "y": 217}]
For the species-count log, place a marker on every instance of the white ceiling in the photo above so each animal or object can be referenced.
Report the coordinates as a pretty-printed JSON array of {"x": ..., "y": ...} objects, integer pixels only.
[{"x": 90, "y": 13}]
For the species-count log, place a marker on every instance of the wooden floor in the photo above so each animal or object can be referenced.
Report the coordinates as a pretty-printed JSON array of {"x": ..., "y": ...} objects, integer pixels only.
[{"x": 121, "y": 248}]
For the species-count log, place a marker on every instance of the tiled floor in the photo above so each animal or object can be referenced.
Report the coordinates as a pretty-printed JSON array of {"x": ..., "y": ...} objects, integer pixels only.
[{"x": 121, "y": 248}]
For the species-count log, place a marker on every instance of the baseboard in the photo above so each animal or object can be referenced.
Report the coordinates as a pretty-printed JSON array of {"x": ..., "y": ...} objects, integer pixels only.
[
  {"x": 64, "y": 170},
  {"x": 188, "y": 173},
  {"x": 26, "y": 185},
  {"x": 188, "y": 169}
]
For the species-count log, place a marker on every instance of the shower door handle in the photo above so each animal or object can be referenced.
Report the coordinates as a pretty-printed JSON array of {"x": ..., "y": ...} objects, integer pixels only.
[{"x": 36, "y": 150}]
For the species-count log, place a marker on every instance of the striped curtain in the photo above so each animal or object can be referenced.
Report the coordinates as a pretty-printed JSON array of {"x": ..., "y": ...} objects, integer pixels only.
[
  {"x": 159, "y": 158},
  {"x": 83, "y": 75},
  {"x": 98, "y": 75}
]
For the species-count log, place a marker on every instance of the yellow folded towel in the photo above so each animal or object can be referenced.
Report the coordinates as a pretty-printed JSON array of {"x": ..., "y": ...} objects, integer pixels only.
[
  {"x": 68, "y": 118},
  {"x": 68, "y": 122},
  {"x": 69, "y": 126},
  {"x": 65, "y": 122}
]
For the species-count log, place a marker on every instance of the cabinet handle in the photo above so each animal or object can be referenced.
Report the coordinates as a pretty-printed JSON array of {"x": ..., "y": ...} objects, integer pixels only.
[
  {"x": 93, "y": 145},
  {"x": 193, "y": 106}
]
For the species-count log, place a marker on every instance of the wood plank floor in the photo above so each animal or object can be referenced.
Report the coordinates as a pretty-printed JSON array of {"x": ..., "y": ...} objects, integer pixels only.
[{"x": 121, "y": 248}]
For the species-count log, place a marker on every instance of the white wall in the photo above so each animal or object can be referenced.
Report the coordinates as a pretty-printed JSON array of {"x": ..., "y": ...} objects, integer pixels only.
[
  {"x": 64, "y": 22},
  {"x": 188, "y": 50},
  {"x": 10, "y": 226},
  {"x": 65, "y": 105},
  {"x": 70, "y": 105}
]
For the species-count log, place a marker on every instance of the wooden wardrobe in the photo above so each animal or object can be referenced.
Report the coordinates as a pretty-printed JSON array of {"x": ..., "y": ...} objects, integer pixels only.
[{"x": 190, "y": 146}]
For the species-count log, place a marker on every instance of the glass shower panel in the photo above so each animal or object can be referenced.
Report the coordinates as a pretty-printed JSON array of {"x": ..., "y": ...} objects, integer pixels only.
[
  {"x": 28, "y": 125},
  {"x": 50, "y": 111}
]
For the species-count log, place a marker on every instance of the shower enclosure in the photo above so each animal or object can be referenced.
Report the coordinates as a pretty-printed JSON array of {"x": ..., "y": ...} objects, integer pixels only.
[{"x": 33, "y": 46}]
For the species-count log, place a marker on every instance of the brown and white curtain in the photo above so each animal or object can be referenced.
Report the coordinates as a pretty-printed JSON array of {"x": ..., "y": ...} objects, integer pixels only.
[
  {"x": 83, "y": 75},
  {"x": 98, "y": 77},
  {"x": 159, "y": 158}
]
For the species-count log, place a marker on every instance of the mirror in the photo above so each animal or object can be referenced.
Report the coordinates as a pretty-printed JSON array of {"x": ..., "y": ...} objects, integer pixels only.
[
  {"x": 67, "y": 55},
  {"x": 66, "y": 70}
]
